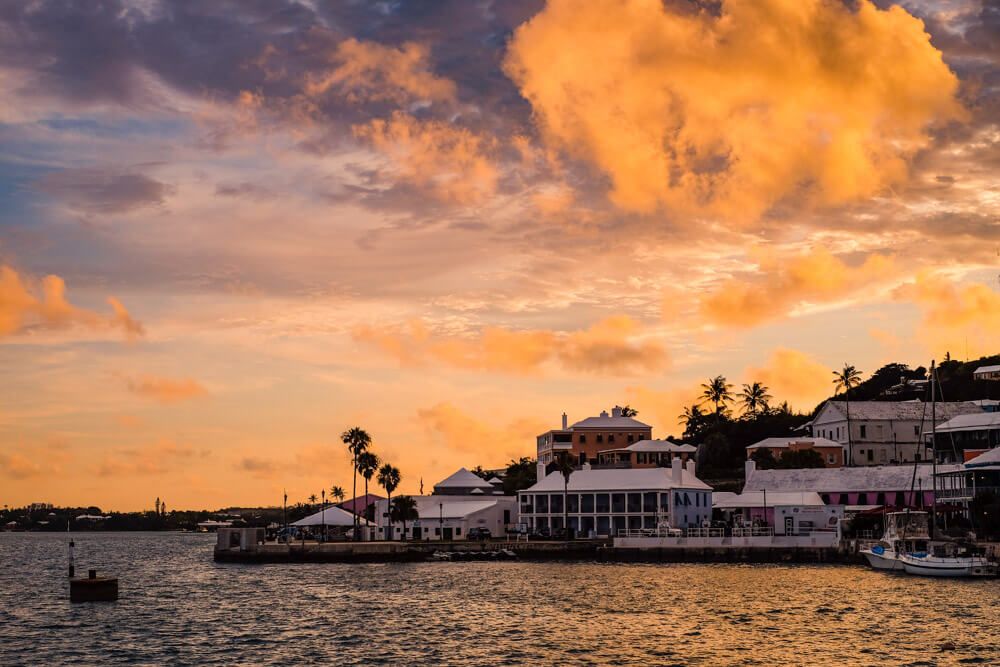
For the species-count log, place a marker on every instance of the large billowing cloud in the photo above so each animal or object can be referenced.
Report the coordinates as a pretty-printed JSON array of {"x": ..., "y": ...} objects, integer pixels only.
[
  {"x": 956, "y": 317},
  {"x": 793, "y": 376},
  {"x": 733, "y": 112},
  {"x": 614, "y": 345},
  {"x": 20, "y": 309},
  {"x": 784, "y": 284}
]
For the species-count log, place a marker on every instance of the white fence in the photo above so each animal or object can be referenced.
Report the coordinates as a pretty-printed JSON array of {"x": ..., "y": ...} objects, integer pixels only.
[{"x": 715, "y": 538}]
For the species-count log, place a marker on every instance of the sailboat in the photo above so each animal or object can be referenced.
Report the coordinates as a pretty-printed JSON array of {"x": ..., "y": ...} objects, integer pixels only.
[
  {"x": 905, "y": 532},
  {"x": 943, "y": 557}
]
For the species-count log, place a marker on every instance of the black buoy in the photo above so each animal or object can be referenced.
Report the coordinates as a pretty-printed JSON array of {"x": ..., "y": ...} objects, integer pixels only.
[{"x": 93, "y": 588}]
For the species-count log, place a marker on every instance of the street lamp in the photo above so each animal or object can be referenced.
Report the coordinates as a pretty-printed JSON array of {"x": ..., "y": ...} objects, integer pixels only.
[
  {"x": 441, "y": 521},
  {"x": 322, "y": 515}
]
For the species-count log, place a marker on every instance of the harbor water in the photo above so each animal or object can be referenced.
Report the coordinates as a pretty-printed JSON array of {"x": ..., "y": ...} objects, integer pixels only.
[{"x": 178, "y": 607}]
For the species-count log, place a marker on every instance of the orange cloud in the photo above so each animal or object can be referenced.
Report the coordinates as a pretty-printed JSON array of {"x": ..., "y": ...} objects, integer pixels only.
[
  {"x": 18, "y": 466},
  {"x": 447, "y": 161},
  {"x": 955, "y": 317},
  {"x": 157, "y": 459},
  {"x": 814, "y": 277},
  {"x": 731, "y": 112},
  {"x": 662, "y": 409},
  {"x": 166, "y": 390},
  {"x": 795, "y": 377},
  {"x": 371, "y": 71},
  {"x": 447, "y": 425},
  {"x": 613, "y": 345},
  {"x": 20, "y": 309}
]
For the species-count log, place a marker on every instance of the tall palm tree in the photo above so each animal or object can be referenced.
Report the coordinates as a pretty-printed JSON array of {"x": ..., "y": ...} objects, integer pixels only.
[
  {"x": 389, "y": 478},
  {"x": 368, "y": 463},
  {"x": 847, "y": 378},
  {"x": 312, "y": 499},
  {"x": 564, "y": 464},
  {"x": 357, "y": 441},
  {"x": 718, "y": 392},
  {"x": 338, "y": 493},
  {"x": 629, "y": 411},
  {"x": 754, "y": 398},
  {"x": 404, "y": 508}
]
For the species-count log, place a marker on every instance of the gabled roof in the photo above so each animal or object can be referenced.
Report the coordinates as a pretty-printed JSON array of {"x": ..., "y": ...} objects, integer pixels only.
[
  {"x": 495, "y": 480},
  {"x": 782, "y": 443},
  {"x": 976, "y": 422},
  {"x": 911, "y": 410},
  {"x": 606, "y": 421},
  {"x": 726, "y": 500},
  {"x": 433, "y": 508},
  {"x": 331, "y": 516},
  {"x": 992, "y": 457},
  {"x": 844, "y": 480},
  {"x": 661, "y": 446},
  {"x": 463, "y": 479},
  {"x": 358, "y": 505},
  {"x": 987, "y": 369},
  {"x": 620, "y": 479}
]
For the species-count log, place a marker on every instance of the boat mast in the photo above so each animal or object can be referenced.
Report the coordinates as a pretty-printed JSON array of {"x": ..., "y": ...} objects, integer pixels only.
[{"x": 933, "y": 526}]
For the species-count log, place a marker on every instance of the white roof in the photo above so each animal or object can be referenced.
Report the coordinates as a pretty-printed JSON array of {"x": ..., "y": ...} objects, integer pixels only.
[
  {"x": 620, "y": 479},
  {"x": 331, "y": 516},
  {"x": 433, "y": 507},
  {"x": 607, "y": 421},
  {"x": 782, "y": 443},
  {"x": 904, "y": 410},
  {"x": 987, "y": 369},
  {"x": 845, "y": 480},
  {"x": 992, "y": 457},
  {"x": 726, "y": 500},
  {"x": 495, "y": 480},
  {"x": 660, "y": 446},
  {"x": 976, "y": 422},
  {"x": 463, "y": 479}
]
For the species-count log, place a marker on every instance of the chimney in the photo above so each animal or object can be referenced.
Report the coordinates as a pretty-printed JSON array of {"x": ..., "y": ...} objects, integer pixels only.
[
  {"x": 604, "y": 413},
  {"x": 690, "y": 466},
  {"x": 565, "y": 422},
  {"x": 541, "y": 471},
  {"x": 748, "y": 470},
  {"x": 675, "y": 470},
  {"x": 616, "y": 411}
]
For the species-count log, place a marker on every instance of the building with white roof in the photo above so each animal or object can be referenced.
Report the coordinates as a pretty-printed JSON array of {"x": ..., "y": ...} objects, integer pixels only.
[
  {"x": 977, "y": 475},
  {"x": 646, "y": 454},
  {"x": 987, "y": 373},
  {"x": 884, "y": 432},
  {"x": 602, "y": 502},
  {"x": 587, "y": 437},
  {"x": 966, "y": 436},
  {"x": 460, "y": 501},
  {"x": 871, "y": 486},
  {"x": 831, "y": 452},
  {"x": 789, "y": 512}
]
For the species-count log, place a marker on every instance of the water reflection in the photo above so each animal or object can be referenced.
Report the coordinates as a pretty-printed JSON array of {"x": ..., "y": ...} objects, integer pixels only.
[{"x": 177, "y": 606}]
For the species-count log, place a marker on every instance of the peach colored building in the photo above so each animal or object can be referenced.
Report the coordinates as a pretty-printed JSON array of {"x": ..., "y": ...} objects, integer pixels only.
[
  {"x": 832, "y": 452},
  {"x": 587, "y": 438},
  {"x": 646, "y": 454}
]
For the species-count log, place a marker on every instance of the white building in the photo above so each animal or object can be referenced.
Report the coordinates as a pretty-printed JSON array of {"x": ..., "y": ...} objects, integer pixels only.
[
  {"x": 884, "y": 432},
  {"x": 986, "y": 373},
  {"x": 460, "y": 501},
  {"x": 603, "y": 502},
  {"x": 788, "y": 512}
]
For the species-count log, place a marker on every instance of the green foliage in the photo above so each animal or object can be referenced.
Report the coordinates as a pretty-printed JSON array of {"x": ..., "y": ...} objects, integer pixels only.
[
  {"x": 404, "y": 508},
  {"x": 801, "y": 458},
  {"x": 764, "y": 459},
  {"x": 521, "y": 474}
]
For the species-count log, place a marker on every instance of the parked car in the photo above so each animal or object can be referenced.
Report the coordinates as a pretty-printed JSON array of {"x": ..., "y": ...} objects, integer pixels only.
[{"x": 478, "y": 533}]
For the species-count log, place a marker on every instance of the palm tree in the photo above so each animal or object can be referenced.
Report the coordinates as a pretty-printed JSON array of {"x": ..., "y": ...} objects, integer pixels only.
[
  {"x": 338, "y": 493},
  {"x": 404, "y": 508},
  {"x": 629, "y": 411},
  {"x": 389, "y": 477},
  {"x": 754, "y": 398},
  {"x": 717, "y": 391},
  {"x": 846, "y": 379},
  {"x": 564, "y": 464},
  {"x": 368, "y": 463},
  {"x": 357, "y": 441},
  {"x": 312, "y": 499}
]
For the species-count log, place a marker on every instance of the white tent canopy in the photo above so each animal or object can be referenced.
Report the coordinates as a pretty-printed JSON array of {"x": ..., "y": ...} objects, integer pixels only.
[{"x": 331, "y": 516}]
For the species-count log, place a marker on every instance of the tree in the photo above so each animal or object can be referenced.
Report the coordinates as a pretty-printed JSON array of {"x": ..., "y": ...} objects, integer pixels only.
[
  {"x": 338, "y": 493},
  {"x": 764, "y": 459},
  {"x": 312, "y": 499},
  {"x": 565, "y": 465},
  {"x": 801, "y": 458},
  {"x": 521, "y": 474},
  {"x": 389, "y": 478},
  {"x": 403, "y": 509},
  {"x": 357, "y": 441},
  {"x": 718, "y": 392},
  {"x": 629, "y": 411},
  {"x": 479, "y": 472},
  {"x": 368, "y": 463},
  {"x": 694, "y": 421},
  {"x": 754, "y": 398},
  {"x": 846, "y": 379}
]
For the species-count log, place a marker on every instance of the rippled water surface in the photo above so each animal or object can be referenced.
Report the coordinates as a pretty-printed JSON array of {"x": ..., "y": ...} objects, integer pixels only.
[{"x": 179, "y": 607}]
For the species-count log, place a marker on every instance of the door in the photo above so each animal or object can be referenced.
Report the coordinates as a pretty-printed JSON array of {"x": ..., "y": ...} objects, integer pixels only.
[
  {"x": 789, "y": 525},
  {"x": 416, "y": 532},
  {"x": 448, "y": 533}
]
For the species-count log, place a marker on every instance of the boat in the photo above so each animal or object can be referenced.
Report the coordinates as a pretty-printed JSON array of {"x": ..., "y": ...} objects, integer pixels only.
[
  {"x": 948, "y": 559},
  {"x": 905, "y": 532}
]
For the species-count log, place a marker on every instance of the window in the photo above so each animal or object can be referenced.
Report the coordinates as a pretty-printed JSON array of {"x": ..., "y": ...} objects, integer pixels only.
[
  {"x": 573, "y": 503},
  {"x": 611, "y": 438},
  {"x": 630, "y": 438},
  {"x": 916, "y": 429},
  {"x": 587, "y": 502},
  {"x": 556, "y": 503},
  {"x": 583, "y": 439},
  {"x": 871, "y": 457},
  {"x": 604, "y": 525},
  {"x": 635, "y": 502},
  {"x": 600, "y": 438},
  {"x": 864, "y": 431},
  {"x": 617, "y": 502},
  {"x": 542, "y": 504},
  {"x": 649, "y": 502},
  {"x": 862, "y": 498},
  {"x": 829, "y": 458},
  {"x": 437, "y": 531},
  {"x": 603, "y": 503},
  {"x": 506, "y": 517},
  {"x": 458, "y": 530},
  {"x": 583, "y": 458}
]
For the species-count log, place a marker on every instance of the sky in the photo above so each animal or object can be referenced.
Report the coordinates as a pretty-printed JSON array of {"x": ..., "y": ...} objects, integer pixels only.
[{"x": 231, "y": 230}]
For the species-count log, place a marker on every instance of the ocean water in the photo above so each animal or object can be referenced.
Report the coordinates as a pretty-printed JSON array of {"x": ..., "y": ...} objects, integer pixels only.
[{"x": 178, "y": 607}]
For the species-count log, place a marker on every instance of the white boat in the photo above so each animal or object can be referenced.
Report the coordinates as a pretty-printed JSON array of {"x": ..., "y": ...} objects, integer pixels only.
[
  {"x": 948, "y": 559},
  {"x": 905, "y": 532}
]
